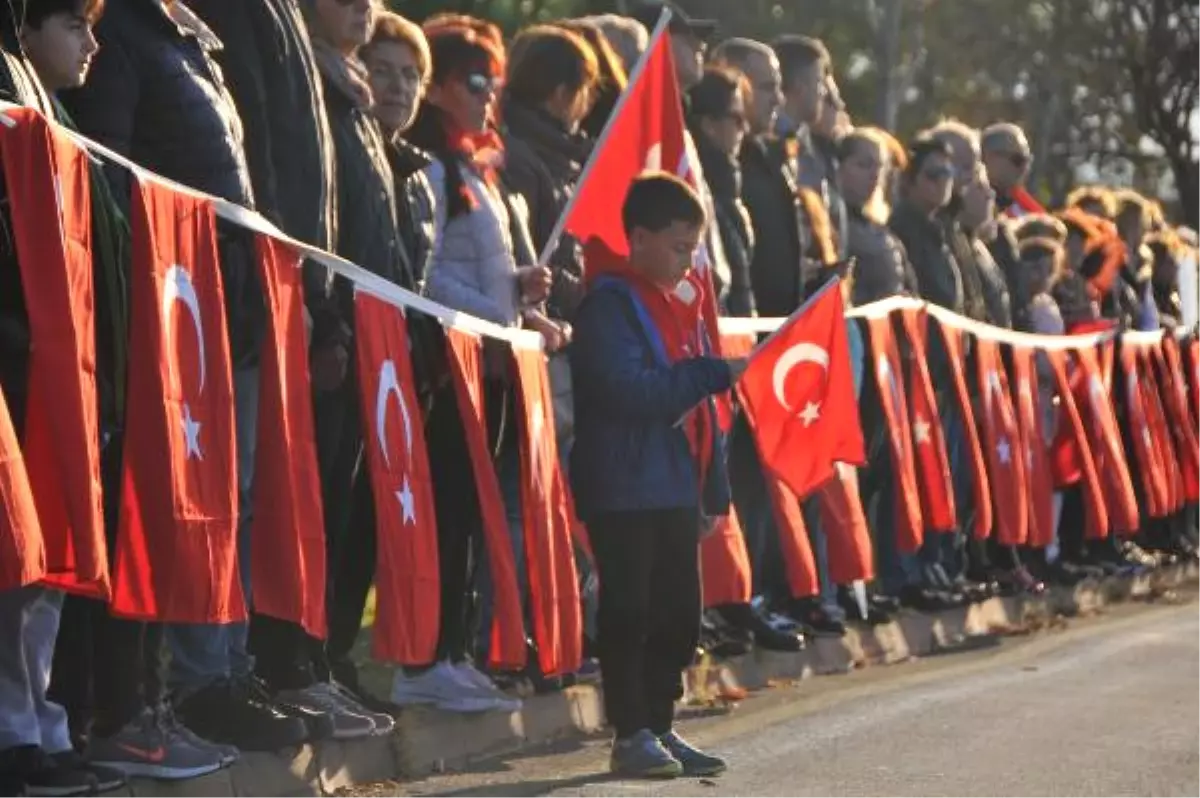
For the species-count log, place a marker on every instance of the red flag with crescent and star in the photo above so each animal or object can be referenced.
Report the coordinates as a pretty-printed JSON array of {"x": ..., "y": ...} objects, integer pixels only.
[
  {"x": 1006, "y": 470},
  {"x": 1072, "y": 443},
  {"x": 1034, "y": 447},
  {"x": 550, "y": 559},
  {"x": 408, "y": 589},
  {"x": 981, "y": 491},
  {"x": 22, "y": 553},
  {"x": 176, "y": 554},
  {"x": 889, "y": 380},
  {"x": 48, "y": 176},
  {"x": 798, "y": 395},
  {"x": 506, "y": 648},
  {"x": 932, "y": 461},
  {"x": 1105, "y": 438},
  {"x": 851, "y": 550},
  {"x": 1173, "y": 390},
  {"x": 1146, "y": 453}
]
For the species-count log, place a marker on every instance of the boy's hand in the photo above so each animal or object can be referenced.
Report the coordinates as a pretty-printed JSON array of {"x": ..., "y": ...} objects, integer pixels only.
[
  {"x": 534, "y": 283},
  {"x": 737, "y": 366}
]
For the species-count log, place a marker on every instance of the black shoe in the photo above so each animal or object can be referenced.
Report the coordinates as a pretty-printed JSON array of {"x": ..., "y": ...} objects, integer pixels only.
[
  {"x": 884, "y": 602},
  {"x": 107, "y": 779},
  {"x": 721, "y": 639},
  {"x": 1086, "y": 570},
  {"x": 236, "y": 715},
  {"x": 816, "y": 621},
  {"x": 878, "y": 612},
  {"x": 318, "y": 725},
  {"x": 34, "y": 772},
  {"x": 924, "y": 599},
  {"x": 765, "y": 634}
]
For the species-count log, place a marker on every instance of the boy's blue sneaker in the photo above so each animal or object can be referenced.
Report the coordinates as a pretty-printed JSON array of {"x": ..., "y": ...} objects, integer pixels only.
[
  {"x": 695, "y": 762},
  {"x": 642, "y": 756}
]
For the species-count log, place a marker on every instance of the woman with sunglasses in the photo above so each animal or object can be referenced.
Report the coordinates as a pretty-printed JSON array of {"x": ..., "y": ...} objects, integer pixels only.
[
  {"x": 719, "y": 124},
  {"x": 482, "y": 240}
]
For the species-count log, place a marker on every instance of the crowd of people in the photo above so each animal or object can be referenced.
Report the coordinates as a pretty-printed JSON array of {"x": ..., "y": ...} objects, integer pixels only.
[{"x": 440, "y": 157}]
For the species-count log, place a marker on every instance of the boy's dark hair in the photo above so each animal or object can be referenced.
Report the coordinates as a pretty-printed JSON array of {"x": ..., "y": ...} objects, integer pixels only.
[
  {"x": 714, "y": 94},
  {"x": 797, "y": 53},
  {"x": 33, "y": 13},
  {"x": 922, "y": 149},
  {"x": 656, "y": 200}
]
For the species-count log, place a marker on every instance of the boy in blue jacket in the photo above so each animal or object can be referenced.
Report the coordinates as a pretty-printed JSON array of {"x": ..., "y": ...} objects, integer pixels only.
[{"x": 648, "y": 468}]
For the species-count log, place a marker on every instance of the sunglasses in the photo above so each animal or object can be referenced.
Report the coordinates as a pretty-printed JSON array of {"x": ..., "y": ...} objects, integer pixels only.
[
  {"x": 938, "y": 173},
  {"x": 480, "y": 84}
]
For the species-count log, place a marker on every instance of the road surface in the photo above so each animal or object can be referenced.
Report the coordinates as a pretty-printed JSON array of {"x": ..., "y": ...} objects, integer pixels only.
[{"x": 1108, "y": 707}]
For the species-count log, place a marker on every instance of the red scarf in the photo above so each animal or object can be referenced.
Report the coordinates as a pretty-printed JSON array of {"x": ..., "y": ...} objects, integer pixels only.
[
  {"x": 484, "y": 152},
  {"x": 679, "y": 326}
]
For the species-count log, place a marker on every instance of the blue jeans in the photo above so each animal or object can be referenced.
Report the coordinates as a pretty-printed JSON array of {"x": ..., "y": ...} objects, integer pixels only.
[
  {"x": 28, "y": 628},
  {"x": 945, "y": 549},
  {"x": 203, "y": 653},
  {"x": 820, "y": 545}
]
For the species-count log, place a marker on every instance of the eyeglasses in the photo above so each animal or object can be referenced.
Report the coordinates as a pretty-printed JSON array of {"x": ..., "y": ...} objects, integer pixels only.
[{"x": 480, "y": 84}]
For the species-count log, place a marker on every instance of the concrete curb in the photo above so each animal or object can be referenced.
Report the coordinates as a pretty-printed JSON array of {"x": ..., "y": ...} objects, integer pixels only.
[{"x": 427, "y": 741}]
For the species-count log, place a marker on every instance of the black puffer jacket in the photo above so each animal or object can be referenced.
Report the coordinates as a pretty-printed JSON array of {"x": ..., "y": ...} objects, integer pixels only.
[
  {"x": 881, "y": 267},
  {"x": 542, "y": 162},
  {"x": 268, "y": 60},
  {"x": 818, "y": 170},
  {"x": 930, "y": 254},
  {"x": 778, "y": 269},
  {"x": 156, "y": 95},
  {"x": 724, "y": 176},
  {"x": 368, "y": 232}
]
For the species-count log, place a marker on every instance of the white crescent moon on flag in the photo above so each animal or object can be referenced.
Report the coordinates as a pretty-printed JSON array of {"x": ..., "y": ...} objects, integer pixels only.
[
  {"x": 177, "y": 287},
  {"x": 803, "y": 352},
  {"x": 388, "y": 386}
]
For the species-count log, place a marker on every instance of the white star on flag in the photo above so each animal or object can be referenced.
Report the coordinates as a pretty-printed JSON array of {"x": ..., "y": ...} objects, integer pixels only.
[
  {"x": 810, "y": 414},
  {"x": 407, "y": 503},
  {"x": 1004, "y": 450},
  {"x": 191, "y": 434},
  {"x": 921, "y": 430}
]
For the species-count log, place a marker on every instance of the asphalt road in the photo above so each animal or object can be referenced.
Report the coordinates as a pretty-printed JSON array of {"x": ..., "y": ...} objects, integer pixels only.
[{"x": 1108, "y": 707}]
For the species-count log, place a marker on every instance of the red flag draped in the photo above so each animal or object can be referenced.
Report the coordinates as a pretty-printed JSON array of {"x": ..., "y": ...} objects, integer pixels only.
[
  {"x": 798, "y": 395},
  {"x": 1074, "y": 430},
  {"x": 851, "y": 550},
  {"x": 799, "y": 565},
  {"x": 1175, "y": 401},
  {"x": 22, "y": 553},
  {"x": 48, "y": 179},
  {"x": 1033, "y": 443},
  {"x": 885, "y": 357},
  {"x": 980, "y": 484},
  {"x": 506, "y": 649},
  {"x": 1193, "y": 380},
  {"x": 287, "y": 537},
  {"x": 177, "y": 545},
  {"x": 408, "y": 589},
  {"x": 1105, "y": 439},
  {"x": 933, "y": 464},
  {"x": 1142, "y": 433},
  {"x": 1006, "y": 465},
  {"x": 553, "y": 582}
]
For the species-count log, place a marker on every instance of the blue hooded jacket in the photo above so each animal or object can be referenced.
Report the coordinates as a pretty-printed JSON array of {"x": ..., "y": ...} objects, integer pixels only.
[{"x": 630, "y": 452}]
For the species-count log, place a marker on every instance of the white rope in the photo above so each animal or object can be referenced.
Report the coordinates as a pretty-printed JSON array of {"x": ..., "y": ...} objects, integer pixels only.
[{"x": 379, "y": 287}]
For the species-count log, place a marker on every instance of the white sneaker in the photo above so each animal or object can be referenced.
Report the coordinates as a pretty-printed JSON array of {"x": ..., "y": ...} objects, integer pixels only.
[
  {"x": 443, "y": 688},
  {"x": 479, "y": 684}
]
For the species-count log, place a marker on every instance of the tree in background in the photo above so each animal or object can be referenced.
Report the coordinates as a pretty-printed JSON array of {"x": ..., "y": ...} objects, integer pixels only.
[{"x": 1108, "y": 87}]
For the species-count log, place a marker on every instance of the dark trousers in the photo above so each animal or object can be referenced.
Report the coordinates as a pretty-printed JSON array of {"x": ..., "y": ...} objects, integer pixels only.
[
  {"x": 106, "y": 669},
  {"x": 649, "y": 617}
]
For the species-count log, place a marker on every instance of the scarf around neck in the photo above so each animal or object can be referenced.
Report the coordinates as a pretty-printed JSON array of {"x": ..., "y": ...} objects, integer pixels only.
[{"x": 346, "y": 73}]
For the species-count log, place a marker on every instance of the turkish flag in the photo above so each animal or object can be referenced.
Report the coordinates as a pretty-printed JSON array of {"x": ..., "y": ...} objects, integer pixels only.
[
  {"x": 1155, "y": 488},
  {"x": 932, "y": 461},
  {"x": 22, "y": 553},
  {"x": 889, "y": 381},
  {"x": 1034, "y": 447},
  {"x": 1173, "y": 387},
  {"x": 851, "y": 550},
  {"x": 645, "y": 133},
  {"x": 407, "y": 586},
  {"x": 798, "y": 395},
  {"x": 176, "y": 557},
  {"x": 799, "y": 564},
  {"x": 1006, "y": 465},
  {"x": 1074, "y": 432},
  {"x": 1193, "y": 380},
  {"x": 1162, "y": 444},
  {"x": 980, "y": 481},
  {"x": 287, "y": 531},
  {"x": 506, "y": 650},
  {"x": 1105, "y": 438},
  {"x": 49, "y": 183},
  {"x": 553, "y": 581}
]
